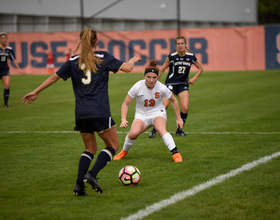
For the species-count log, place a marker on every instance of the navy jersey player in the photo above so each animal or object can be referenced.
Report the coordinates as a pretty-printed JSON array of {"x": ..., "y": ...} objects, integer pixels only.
[
  {"x": 177, "y": 80},
  {"x": 6, "y": 53},
  {"x": 149, "y": 111},
  {"x": 89, "y": 72}
]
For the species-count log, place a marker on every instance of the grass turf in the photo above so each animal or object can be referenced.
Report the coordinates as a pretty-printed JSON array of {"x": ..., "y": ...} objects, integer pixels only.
[{"x": 233, "y": 120}]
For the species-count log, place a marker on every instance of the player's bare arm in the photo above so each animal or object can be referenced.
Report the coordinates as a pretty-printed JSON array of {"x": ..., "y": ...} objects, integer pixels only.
[
  {"x": 29, "y": 98},
  {"x": 163, "y": 68},
  {"x": 198, "y": 73},
  {"x": 124, "y": 109},
  {"x": 128, "y": 66},
  {"x": 17, "y": 66}
]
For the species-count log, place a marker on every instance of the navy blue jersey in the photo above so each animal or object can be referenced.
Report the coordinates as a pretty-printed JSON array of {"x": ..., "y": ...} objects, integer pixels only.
[
  {"x": 179, "y": 68},
  {"x": 91, "y": 89},
  {"x": 5, "y": 55}
]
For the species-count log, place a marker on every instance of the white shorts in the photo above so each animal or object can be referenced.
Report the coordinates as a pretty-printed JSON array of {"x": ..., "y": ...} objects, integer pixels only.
[
  {"x": 149, "y": 118},
  {"x": 50, "y": 65}
]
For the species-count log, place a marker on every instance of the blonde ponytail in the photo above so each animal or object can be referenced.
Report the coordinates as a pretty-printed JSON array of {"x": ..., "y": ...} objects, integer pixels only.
[{"x": 87, "y": 60}]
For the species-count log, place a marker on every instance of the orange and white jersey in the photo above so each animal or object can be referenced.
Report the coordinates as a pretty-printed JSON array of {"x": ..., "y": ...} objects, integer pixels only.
[{"x": 149, "y": 101}]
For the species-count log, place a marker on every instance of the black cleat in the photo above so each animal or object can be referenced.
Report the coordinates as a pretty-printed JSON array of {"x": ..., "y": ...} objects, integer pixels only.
[
  {"x": 153, "y": 134},
  {"x": 181, "y": 133},
  {"x": 79, "y": 191},
  {"x": 7, "y": 106},
  {"x": 93, "y": 182}
]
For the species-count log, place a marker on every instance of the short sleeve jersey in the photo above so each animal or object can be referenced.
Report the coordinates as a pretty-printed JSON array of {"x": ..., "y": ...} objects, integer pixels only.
[
  {"x": 179, "y": 68},
  {"x": 5, "y": 55},
  {"x": 149, "y": 101},
  {"x": 50, "y": 58},
  {"x": 91, "y": 89}
]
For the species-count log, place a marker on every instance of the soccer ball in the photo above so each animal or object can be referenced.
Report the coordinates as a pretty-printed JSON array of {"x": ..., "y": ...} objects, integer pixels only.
[{"x": 129, "y": 175}]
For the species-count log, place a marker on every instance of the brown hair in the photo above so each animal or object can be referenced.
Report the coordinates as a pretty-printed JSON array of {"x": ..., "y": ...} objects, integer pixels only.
[
  {"x": 88, "y": 40},
  {"x": 181, "y": 37},
  {"x": 152, "y": 67}
]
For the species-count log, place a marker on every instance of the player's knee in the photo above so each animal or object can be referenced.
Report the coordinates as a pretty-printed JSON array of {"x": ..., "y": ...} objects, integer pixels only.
[
  {"x": 6, "y": 86},
  {"x": 161, "y": 131},
  {"x": 132, "y": 135},
  {"x": 184, "y": 109}
]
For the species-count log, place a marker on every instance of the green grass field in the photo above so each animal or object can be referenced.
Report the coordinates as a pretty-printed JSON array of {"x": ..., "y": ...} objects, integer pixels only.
[{"x": 234, "y": 119}]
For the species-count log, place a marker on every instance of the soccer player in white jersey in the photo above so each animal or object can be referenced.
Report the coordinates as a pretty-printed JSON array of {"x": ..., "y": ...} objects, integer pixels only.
[
  {"x": 177, "y": 80},
  {"x": 149, "y": 111}
]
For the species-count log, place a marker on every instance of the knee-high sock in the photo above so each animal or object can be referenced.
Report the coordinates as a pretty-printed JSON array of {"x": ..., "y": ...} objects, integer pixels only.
[
  {"x": 168, "y": 141},
  {"x": 127, "y": 143},
  {"x": 6, "y": 96},
  {"x": 104, "y": 157},
  {"x": 84, "y": 164}
]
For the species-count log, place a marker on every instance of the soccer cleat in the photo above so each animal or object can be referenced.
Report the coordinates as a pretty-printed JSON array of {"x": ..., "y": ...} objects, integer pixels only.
[
  {"x": 93, "y": 182},
  {"x": 79, "y": 191},
  {"x": 180, "y": 133},
  {"x": 152, "y": 134},
  {"x": 121, "y": 155},
  {"x": 7, "y": 106},
  {"x": 177, "y": 157}
]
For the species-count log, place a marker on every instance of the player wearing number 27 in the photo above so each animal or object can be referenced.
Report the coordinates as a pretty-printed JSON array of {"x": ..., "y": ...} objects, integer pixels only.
[
  {"x": 177, "y": 80},
  {"x": 89, "y": 72},
  {"x": 149, "y": 111}
]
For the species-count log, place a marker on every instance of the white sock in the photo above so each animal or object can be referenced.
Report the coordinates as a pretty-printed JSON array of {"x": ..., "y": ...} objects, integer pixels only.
[
  {"x": 168, "y": 141},
  {"x": 127, "y": 144}
]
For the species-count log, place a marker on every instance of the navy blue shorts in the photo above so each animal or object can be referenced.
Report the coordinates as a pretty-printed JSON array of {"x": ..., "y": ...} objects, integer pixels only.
[
  {"x": 6, "y": 73},
  {"x": 176, "y": 89},
  {"x": 92, "y": 125}
]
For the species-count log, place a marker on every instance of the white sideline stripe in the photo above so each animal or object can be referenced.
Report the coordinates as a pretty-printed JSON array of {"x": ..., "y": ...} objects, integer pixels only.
[
  {"x": 182, "y": 195},
  {"x": 125, "y": 132}
]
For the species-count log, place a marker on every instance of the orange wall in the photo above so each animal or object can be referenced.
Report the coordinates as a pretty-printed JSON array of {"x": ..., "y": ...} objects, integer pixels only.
[{"x": 218, "y": 49}]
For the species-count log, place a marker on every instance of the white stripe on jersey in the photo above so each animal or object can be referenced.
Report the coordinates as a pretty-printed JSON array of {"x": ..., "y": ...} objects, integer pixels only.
[
  {"x": 110, "y": 122},
  {"x": 74, "y": 58},
  {"x": 12, "y": 57},
  {"x": 187, "y": 53},
  {"x": 99, "y": 55},
  {"x": 9, "y": 47},
  {"x": 191, "y": 54}
]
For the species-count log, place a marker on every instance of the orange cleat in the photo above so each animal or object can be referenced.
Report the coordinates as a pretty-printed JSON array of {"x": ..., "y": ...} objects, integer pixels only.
[
  {"x": 121, "y": 155},
  {"x": 177, "y": 157}
]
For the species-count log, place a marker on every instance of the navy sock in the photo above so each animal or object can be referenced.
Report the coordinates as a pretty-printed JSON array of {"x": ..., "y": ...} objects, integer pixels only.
[
  {"x": 6, "y": 96},
  {"x": 84, "y": 164},
  {"x": 184, "y": 118},
  {"x": 104, "y": 157}
]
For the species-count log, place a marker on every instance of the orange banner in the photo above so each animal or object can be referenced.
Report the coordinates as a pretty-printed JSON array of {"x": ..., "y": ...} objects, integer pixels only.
[{"x": 217, "y": 49}]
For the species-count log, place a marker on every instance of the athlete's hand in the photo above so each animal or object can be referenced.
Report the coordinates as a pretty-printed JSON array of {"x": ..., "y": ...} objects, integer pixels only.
[
  {"x": 191, "y": 81},
  {"x": 124, "y": 124},
  {"x": 29, "y": 98},
  {"x": 136, "y": 59},
  {"x": 179, "y": 123}
]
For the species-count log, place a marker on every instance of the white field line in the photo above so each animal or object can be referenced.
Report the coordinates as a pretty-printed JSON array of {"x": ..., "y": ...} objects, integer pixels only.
[
  {"x": 125, "y": 132},
  {"x": 182, "y": 195}
]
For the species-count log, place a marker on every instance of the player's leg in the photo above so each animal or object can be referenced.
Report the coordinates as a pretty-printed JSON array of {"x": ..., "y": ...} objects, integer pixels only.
[
  {"x": 84, "y": 163},
  {"x": 166, "y": 103},
  {"x": 184, "y": 102},
  {"x": 110, "y": 138},
  {"x": 138, "y": 126},
  {"x": 160, "y": 125},
  {"x": 6, "y": 81}
]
